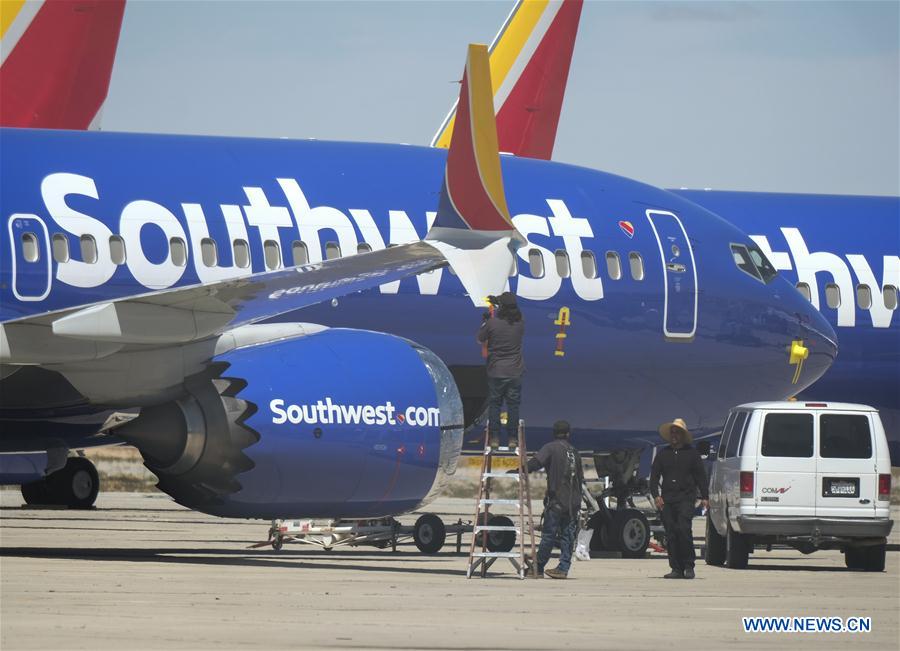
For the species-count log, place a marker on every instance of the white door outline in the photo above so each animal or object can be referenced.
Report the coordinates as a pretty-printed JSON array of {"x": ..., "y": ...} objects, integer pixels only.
[
  {"x": 12, "y": 246},
  {"x": 662, "y": 257}
]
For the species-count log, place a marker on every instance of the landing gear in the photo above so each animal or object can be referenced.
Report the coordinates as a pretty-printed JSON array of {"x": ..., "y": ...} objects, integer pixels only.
[
  {"x": 631, "y": 533},
  {"x": 76, "y": 485}
]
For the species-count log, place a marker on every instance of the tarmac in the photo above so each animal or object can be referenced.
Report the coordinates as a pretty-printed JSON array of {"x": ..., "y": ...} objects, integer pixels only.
[{"x": 141, "y": 572}]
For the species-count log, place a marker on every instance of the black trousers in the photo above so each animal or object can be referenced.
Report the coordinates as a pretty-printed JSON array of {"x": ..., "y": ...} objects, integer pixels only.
[
  {"x": 676, "y": 518},
  {"x": 508, "y": 390}
]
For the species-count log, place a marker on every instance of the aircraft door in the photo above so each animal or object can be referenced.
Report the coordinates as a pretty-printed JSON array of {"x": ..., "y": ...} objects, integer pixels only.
[
  {"x": 30, "y": 257},
  {"x": 680, "y": 272}
]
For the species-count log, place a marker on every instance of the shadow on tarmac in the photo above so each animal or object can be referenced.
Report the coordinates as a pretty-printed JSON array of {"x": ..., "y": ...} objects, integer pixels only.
[{"x": 236, "y": 558}]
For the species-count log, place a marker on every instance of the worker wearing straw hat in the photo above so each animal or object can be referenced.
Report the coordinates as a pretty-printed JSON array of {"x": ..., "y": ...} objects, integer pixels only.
[{"x": 680, "y": 469}]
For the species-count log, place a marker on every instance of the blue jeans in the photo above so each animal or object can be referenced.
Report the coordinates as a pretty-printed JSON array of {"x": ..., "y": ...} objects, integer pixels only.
[
  {"x": 500, "y": 390},
  {"x": 557, "y": 523}
]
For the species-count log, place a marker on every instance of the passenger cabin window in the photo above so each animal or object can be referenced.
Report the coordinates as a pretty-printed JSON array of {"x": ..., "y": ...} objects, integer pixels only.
[
  {"x": 588, "y": 264},
  {"x": 332, "y": 250},
  {"x": 562, "y": 263},
  {"x": 272, "y": 254},
  {"x": 743, "y": 261},
  {"x": 845, "y": 436},
  {"x": 803, "y": 288},
  {"x": 788, "y": 435},
  {"x": 890, "y": 297},
  {"x": 117, "y": 249},
  {"x": 299, "y": 252},
  {"x": 178, "y": 250},
  {"x": 737, "y": 433},
  {"x": 613, "y": 265},
  {"x": 833, "y": 295},
  {"x": 88, "y": 249},
  {"x": 30, "y": 250},
  {"x": 241, "y": 251},
  {"x": 60, "y": 248},
  {"x": 536, "y": 263},
  {"x": 209, "y": 252},
  {"x": 863, "y": 297},
  {"x": 363, "y": 247},
  {"x": 726, "y": 431},
  {"x": 636, "y": 262}
]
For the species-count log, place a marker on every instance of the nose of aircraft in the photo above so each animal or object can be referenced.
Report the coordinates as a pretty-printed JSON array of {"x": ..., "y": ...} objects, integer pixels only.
[{"x": 818, "y": 338}]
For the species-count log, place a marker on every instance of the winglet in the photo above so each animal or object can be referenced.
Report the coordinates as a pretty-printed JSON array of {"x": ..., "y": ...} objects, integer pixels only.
[
  {"x": 473, "y": 228},
  {"x": 530, "y": 59}
]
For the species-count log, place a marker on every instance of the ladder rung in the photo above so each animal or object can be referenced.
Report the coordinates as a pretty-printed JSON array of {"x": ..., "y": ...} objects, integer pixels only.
[
  {"x": 510, "y": 502},
  {"x": 501, "y": 475},
  {"x": 494, "y": 528},
  {"x": 503, "y": 448},
  {"x": 496, "y": 554}
]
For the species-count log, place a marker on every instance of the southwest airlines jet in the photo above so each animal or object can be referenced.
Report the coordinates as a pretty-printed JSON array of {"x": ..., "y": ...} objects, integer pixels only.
[{"x": 286, "y": 328}]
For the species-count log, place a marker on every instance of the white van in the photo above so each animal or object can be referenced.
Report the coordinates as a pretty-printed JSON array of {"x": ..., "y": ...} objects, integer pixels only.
[{"x": 811, "y": 475}]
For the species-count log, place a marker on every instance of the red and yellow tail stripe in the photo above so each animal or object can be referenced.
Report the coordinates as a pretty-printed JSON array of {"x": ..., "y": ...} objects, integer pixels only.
[
  {"x": 529, "y": 63},
  {"x": 472, "y": 195}
]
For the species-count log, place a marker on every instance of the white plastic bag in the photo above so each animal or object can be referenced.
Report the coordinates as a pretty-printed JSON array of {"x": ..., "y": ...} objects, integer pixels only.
[{"x": 583, "y": 545}]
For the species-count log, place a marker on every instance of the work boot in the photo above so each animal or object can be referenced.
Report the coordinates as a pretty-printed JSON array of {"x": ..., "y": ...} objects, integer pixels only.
[
  {"x": 689, "y": 572},
  {"x": 675, "y": 574},
  {"x": 556, "y": 573},
  {"x": 494, "y": 442},
  {"x": 513, "y": 444}
]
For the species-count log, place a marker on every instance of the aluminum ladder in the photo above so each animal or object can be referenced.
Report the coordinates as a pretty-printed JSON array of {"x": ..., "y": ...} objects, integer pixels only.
[{"x": 480, "y": 557}]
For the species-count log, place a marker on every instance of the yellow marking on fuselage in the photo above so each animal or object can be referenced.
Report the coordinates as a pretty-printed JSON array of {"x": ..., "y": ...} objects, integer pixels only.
[{"x": 9, "y": 9}]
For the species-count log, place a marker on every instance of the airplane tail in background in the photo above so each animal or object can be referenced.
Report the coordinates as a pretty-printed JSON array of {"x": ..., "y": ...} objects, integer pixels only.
[
  {"x": 56, "y": 59},
  {"x": 529, "y": 60}
]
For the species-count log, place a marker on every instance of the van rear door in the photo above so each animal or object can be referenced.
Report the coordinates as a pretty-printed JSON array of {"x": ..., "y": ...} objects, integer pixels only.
[
  {"x": 846, "y": 478},
  {"x": 786, "y": 466}
]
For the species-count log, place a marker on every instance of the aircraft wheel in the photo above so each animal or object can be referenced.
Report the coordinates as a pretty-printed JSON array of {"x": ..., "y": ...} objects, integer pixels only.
[
  {"x": 429, "y": 533},
  {"x": 36, "y": 493},
  {"x": 501, "y": 541},
  {"x": 631, "y": 533},
  {"x": 76, "y": 485}
]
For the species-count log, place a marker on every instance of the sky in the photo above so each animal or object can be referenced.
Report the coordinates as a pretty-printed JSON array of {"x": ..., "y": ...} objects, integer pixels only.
[{"x": 760, "y": 96}]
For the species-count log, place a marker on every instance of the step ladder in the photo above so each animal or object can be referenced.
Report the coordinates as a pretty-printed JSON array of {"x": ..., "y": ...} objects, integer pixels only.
[{"x": 480, "y": 557}]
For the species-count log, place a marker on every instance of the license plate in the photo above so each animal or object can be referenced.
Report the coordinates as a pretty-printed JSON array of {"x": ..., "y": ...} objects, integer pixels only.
[{"x": 832, "y": 487}]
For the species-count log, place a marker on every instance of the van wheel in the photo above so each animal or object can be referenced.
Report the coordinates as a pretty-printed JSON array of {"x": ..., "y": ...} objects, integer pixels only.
[
  {"x": 715, "y": 544},
  {"x": 875, "y": 557},
  {"x": 737, "y": 549},
  {"x": 855, "y": 557}
]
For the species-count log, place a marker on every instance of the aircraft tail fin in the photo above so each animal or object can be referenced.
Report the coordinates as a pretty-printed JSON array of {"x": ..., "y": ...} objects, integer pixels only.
[
  {"x": 473, "y": 228},
  {"x": 57, "y": 59},
  {"x": 529, "y": 62}
]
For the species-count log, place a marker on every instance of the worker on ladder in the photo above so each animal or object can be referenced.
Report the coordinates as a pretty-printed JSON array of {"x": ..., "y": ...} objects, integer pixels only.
[
  {"x": 502, "y": 334},
  {"x": 562, "y": 501}
]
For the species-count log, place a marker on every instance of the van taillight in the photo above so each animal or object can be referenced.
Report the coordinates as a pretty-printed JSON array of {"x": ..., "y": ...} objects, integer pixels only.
[
  {"x": 884, "y": 487},
  {"x": 747, "y": 483}
]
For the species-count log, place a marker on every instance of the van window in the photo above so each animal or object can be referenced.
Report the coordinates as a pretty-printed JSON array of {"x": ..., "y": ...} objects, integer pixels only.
[
  {"x": 723, "y": 442},
  {"x": 788, "y": 435},
  {"x": 737, "y": 431},
  {"x": 844, "y": 436}
]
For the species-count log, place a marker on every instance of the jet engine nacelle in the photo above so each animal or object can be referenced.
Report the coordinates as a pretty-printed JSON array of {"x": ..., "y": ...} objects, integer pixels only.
[{"x": 338, "y": 424}]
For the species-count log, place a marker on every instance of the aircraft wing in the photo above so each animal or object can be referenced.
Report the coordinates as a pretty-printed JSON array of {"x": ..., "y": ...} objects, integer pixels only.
[{"x": 473, "y": 233}]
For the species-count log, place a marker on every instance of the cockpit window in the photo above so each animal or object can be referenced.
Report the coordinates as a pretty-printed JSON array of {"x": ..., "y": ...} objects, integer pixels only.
[
  {"x": 766, "y": 270},
  {"x": 743, "y": 261},
  {"x": 750, "y": 259}
]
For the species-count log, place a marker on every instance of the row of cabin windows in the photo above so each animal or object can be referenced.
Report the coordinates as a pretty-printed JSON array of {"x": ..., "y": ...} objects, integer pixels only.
[
  {"x": 588, "y": 264},
  {"x": 863, "y": 295}
]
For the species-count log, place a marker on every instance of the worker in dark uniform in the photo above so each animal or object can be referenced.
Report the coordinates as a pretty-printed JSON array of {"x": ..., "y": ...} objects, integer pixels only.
[
  {"x": 563, "y": 500},
  {"x": 683, "y": 476},
  {"x": 502, "y": 334}
]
